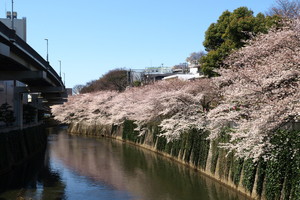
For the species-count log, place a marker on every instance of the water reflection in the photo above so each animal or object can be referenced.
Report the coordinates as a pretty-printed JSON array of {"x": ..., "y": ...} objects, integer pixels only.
[
  {"x": 85, "y": 168},
  {"x": 32, "y": 180},
  {"x": 145, "y": 175}
]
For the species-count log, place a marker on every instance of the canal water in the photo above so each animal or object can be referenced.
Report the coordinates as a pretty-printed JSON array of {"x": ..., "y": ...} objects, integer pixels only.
[{"x": 76, "y": 167}]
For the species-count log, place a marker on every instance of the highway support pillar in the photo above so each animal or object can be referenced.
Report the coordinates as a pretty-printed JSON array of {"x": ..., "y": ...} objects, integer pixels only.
[
  {"x": 34, "y": 102},
  {"x": 18, "y": 105}
]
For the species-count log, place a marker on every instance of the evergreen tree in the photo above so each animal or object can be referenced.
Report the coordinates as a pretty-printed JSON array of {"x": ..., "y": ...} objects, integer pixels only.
[
  {"x": 6, "y": 114},
  {"x": 229, "y": 33}
]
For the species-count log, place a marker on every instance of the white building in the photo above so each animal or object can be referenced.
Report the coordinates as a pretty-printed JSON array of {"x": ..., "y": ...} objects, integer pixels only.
[
  {"x": 19, "y": 24},
  {"x": 193, "y": 74}
]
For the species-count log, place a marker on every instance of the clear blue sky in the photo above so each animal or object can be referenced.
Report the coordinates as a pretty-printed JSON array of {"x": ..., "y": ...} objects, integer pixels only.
[{"x": 91, "y": 37}]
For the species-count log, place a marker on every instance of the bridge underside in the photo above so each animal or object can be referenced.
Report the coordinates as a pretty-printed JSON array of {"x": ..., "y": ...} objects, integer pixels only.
[
  {"x": 7, "y": 64},
  {"x": 37, "y": 82},
  {"x": 38, "y": 78}
]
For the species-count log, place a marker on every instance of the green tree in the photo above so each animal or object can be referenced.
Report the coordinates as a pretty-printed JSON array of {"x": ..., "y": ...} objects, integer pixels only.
[
  {"x": 230, "y": 32},
  {"x": 214, "y": 34},
  {"x": 6, "y": 114}
]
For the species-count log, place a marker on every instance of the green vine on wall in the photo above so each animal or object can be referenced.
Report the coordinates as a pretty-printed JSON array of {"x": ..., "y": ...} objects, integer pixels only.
[
  {"x": 200, "y": 147},
  {"x": 236, "y": 171},
  {"x": 176, "y": 145},
  {"x": 249, "y": 174},
  {"x": 128, "y": 131},
  {"x": 215, "y": 156},
  {"x": 261, "y": 173},
  {"x": 283, "y": 171},
  {"x": 217, "y": 152}
]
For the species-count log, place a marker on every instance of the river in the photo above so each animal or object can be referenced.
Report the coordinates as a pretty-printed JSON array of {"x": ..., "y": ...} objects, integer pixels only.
[{"x": 76, "y": 167}]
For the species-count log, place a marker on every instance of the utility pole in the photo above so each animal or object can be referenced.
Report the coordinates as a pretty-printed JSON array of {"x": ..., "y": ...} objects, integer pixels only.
[{"x": 64, "y": 79}]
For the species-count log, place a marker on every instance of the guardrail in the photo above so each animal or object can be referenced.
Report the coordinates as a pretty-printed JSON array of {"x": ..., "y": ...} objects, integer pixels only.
[{"x": 6, "y": 31}]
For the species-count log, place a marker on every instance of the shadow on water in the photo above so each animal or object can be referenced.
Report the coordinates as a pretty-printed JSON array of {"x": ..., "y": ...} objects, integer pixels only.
[{"x": 27, "y": 180}]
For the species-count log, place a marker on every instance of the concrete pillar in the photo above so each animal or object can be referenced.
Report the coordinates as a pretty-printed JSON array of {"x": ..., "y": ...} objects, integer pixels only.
[
  {"x": 18, "y": 109},
  {"x": 34, "y": 101},
  {"x": 18, "y": 105}
]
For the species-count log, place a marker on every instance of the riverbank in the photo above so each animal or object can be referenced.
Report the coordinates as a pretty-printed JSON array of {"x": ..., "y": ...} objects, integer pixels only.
[{"x": 257, "y": 180}]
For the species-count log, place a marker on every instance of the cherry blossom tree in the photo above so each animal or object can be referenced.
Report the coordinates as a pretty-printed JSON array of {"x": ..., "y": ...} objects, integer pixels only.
[
  {"x": 286, "y": 8},
  {"x": 260, "y": 90},
  {"x": 179, "y": 105}
]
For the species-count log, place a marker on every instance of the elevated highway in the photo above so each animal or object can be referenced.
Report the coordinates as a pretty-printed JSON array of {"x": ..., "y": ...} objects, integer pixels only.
[{"x": 21, "y": 63}]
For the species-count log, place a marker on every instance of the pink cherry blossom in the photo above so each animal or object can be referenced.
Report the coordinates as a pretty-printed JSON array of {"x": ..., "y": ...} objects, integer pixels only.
[{"x": 262, "y": 80}]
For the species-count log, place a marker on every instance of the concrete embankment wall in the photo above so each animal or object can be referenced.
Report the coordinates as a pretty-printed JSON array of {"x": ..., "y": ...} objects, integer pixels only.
[
  {"x": 17, "y": 146},
  {"x": 276, "y": 179}
]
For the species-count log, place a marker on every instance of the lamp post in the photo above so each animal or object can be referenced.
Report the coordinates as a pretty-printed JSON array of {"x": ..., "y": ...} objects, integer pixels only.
[
  {"x": 12, "y": 14},
  {"x": 47, "y": 51},
  {"x": 59, "y": 68}
]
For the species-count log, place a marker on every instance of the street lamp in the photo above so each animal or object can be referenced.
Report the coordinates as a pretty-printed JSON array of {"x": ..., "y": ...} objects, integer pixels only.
[
  {"x": 47, "y": 51},
  {"x": 59, "y": 68},
  {"x": 12, "y": 14}
]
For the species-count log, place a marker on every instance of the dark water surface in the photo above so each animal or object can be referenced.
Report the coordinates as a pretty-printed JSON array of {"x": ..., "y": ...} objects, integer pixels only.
[{"x": 75, "y": 167}]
